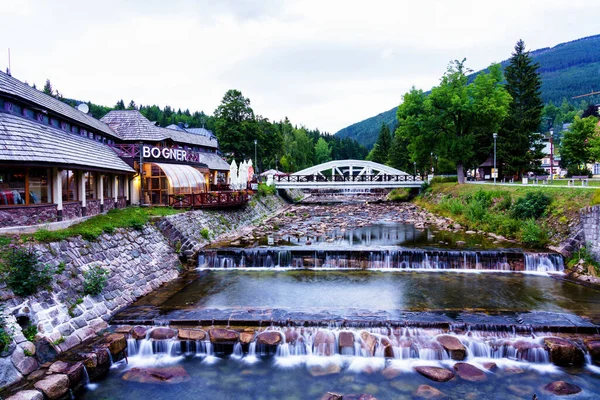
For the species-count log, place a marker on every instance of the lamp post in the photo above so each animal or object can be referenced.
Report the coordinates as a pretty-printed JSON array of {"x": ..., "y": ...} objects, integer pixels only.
[
  {"x": 432, "y": 163},
  {"x": 552, "y": 153},
  {"x": 495, "y": 173},
  {"x": 415, "y": 164},
  {"x": 255, "y": 163}
]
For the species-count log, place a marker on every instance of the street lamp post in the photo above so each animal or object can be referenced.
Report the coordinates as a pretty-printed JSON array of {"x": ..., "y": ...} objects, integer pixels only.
[
  {"x": 551, "y": 153},
  {"x": 255, "y": 163},
  {"x": 415, "y": 164},
  {"x": 495, "y": 135}
]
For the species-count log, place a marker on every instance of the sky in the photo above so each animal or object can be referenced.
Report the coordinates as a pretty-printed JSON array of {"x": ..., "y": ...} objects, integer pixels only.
[{"x": 324, "y": 64}]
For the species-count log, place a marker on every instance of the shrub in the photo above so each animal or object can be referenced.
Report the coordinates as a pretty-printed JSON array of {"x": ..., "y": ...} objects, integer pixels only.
[
  {"x": 505, "y": 203},
  {"x": 476, "y": 210},
  {"x": 94, "y": 280},
  {"x": 533, "y": 234},
  {"x": 402, "y": 194},
  {"x": 445, "y": 179},
  {"x": 23, "y": 273},
  {"x": 483, "y": 197},
  {"x": 30, "y": 331},
  {"x": 5, "y": 336},
  {"x": 266, "y": 190},
  {"x": 586, "y": 255},
  {"x": 204, "y": 232},
  {"x": 532, "y": 205}
]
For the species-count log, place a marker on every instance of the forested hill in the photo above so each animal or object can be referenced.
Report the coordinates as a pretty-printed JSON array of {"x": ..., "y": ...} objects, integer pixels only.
[{"x": 567, "y": 70}]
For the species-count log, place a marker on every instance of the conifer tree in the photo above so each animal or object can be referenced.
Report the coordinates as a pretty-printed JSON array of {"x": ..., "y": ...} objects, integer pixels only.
[
  {"x": 382, "y": 145},
  {"x": 519, "y": 143},
  {"x": 48, "y": 88}
]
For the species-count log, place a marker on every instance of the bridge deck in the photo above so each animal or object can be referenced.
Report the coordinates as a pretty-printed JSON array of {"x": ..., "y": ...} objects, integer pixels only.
[{"x": 378, "y": 181}]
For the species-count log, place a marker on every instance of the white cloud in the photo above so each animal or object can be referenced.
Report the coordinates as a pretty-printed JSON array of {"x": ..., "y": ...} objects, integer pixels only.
[{"x": 325, "y": 64}]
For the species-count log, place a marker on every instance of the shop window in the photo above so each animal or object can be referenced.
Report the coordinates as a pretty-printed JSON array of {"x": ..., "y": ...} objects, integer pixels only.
[
  {"x": 12, "y": 186},
  {"x": 39, "y": 186},
  {"x": 106, "y": 186},
  {"x": 69, "y": 185},
  {"x": 90, "y": 185}
]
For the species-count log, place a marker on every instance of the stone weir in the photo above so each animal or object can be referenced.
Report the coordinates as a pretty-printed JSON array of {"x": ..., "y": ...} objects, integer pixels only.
[
  {"x": 384, "y": 343},
  {"x": 396, "y": 258}
]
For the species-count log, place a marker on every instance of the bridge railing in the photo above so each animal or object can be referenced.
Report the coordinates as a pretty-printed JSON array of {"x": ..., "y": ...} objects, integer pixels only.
[{"x": 346, "y": 178}]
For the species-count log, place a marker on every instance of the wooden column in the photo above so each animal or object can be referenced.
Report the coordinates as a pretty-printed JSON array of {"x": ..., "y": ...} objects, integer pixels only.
[
  {"x": 57, "y": 192},
  {"x": 100, "y": 187},
  {"x": 115, "y": 188},
  {"x": 82, "y": 193}
]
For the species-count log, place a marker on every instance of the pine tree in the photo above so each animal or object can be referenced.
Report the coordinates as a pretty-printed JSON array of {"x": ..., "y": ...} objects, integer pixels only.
[
  {"x": 382, "y": 145},
  {"x": 399, "y": 156},
  {"x": 519, "y": 144},
  {"x": 48, "y": 88},
  {"x": 120, "y": 105},
  {"x": 132, "y": 105}
]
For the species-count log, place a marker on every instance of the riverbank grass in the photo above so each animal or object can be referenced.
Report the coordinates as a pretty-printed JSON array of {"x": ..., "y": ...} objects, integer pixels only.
[
  {"x": 536, "y": 216},
  {"x": 91, "y": 229}
]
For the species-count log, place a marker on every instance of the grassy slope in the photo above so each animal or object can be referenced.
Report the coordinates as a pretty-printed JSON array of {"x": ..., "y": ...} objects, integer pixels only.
[{"x": 458, "y": 202}]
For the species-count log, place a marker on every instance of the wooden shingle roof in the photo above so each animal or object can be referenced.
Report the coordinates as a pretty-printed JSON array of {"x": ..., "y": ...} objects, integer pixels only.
[
  {"x": 131, "y": 125},
  {"x": 23, "y": 140},
  {"x": 214, "y": 161},
  {"x": 18, "y": 89}
]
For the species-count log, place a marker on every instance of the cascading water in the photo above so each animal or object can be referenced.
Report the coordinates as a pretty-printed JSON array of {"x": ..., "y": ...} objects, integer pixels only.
[{"x": 409, "y": 259}]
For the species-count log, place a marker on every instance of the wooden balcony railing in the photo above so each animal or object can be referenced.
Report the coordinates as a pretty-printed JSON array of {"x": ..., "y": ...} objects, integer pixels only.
[{"x": 209, "y": 199}]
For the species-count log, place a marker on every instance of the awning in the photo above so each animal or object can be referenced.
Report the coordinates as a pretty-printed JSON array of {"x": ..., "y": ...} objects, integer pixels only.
[{"x": 183, "y": 178}]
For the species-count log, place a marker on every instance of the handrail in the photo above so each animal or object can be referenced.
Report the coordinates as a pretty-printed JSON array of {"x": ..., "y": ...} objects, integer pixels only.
[
  {"x": 208, "y": 199},
  {"x": 347, "y": 178}
]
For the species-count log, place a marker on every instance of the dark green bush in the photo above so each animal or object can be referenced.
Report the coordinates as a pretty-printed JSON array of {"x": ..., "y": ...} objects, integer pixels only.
[
  {"x": 444, "y": 179},
  {"x": 5, "y": 334},
  {"x": 532, "y": 205},
  {"x": 94, "y": 280},
  {"x": 266, "y": 190},
  {"x": 30, "y": 331},
  {"x": 533, "y": 234},
  {"x": 401, "y": 194},
  {"x": 23, "y": 273}
]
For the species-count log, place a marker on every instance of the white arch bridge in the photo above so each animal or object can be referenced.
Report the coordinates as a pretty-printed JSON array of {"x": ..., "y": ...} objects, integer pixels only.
[{"x": 348, "y": 174}]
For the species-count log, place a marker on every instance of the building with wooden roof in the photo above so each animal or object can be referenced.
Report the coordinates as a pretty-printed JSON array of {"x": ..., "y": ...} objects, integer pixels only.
[{"x": 58, "y": 163}]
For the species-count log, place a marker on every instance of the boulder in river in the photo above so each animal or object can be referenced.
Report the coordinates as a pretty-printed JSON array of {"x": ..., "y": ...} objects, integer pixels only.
[
  {"x": 170, "y": 375},
  {"x": 436, "y": 374},
  {"x": 53, "y": 386},
  {"x": 27, "y": 395},
  {"x": 562, "y": 388},
  {"x": 324, "y": 342},
  {"x": 593, "y": 346},
  {"x": 162, "y": 333},
  {"x": 270, "y": 338},
  {"x": 139, "y": 332},
  {"x": 191, "y": 334},
  {"x": 220, "y": 335},
  {"x": 453, "y": 346},
  {"x": 563, "y": 352},
  {"x": 346, "y": 339},
  {"x": 428, "y": 392},
  {"x": 469, "y": 372},
  {"x": 116, "y": 343}
]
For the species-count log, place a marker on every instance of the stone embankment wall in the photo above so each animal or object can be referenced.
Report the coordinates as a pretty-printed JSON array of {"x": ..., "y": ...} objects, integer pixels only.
[
  {"x": 185, "y": 231},
  {"x": 138, "y": 262},
  {"x": 586, "y": 233}
]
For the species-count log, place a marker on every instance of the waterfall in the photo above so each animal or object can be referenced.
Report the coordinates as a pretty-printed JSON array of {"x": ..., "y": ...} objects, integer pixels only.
[{"x": 386, "y": 259}]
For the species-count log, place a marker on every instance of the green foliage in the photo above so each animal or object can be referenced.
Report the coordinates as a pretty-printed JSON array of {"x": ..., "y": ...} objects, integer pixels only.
[
  {"x": 266, "y": 190},
  {"x": 580, "y": 144},
  {"x": 476, "y": 210},
  {"x": 5, "y": 331},
  {"x": 382, "y": 146},
  {"x": 451, "y": 120},
  {"x": 402, "y": 194},
  {"x": 453, "y": 205},
  {"x": 23, "y": 273},
  {"x": 533, "y": 234},
  {"x": 94, "y": 280},
  {"x": 532, "y": 205},
  {"x": 505, "y": 203},
  {"x": 519, "y": 146},
  {"x": 71, "y": 310},
  {"x": 91, "y": 229},
  {"x": 30, "y": 331},
  {"x": 322, "y": 151},
  {"x": 444, "y": 179},
  {"x": 58, "y": 341},
  {"x": 586, "y": 255},
  {"x": 596, "y": 197},
  {"x": 205, "y": 233}
]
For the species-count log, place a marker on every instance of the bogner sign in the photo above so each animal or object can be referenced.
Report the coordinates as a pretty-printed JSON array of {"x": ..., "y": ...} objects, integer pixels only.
[{"x": 165, "y": 152}]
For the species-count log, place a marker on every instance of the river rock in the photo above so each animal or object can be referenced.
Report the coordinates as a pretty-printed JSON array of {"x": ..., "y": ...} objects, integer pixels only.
[
  {"x": 24, "y": 364},
  {"x": 453, "y": 346},
  {"x": 162, "y": 333},
  {"x": 191, "y": 334},
  {"x": 45, "y": 351},
  {"x": 469, "y": 372},
  {"x": 388, "y": 348},
  {"x": 390, "y": 373},
  {"x": 562, "y": 388},
  {"x": 270, "y": 338},
  {"x": 593, "y": 346},
  {"x": 53, "y": 386},
  {"x": 324, "y": 342},
  {"x": 291, "y": 336},
  {"x": 116, "y": 343},
  {"x": 436, "y": 374},
  {"x": 246, "y": 337},
  {"x": 8, "y": 372},
  {"x": 139, "y": 332},
  {"x": 369, "y": 342},
  {"x": 126, "y": 329},
  {"x": 346, "y": 339},
  {"x": 220, "y": 335},
  {"x": 27, "y": 395},
  {"x": 428, "y": 392},
  {"x": 170, "y": 375},
  {"x": 74, "y": 371},
  {"x": 323, "y": 370},
  {"x": 490, "y": 366},
  {"x": 564, "y": 353}
]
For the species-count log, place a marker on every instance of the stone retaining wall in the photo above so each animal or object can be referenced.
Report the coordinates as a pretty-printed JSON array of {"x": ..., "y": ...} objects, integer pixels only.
[{"x": 586, "y": 233}]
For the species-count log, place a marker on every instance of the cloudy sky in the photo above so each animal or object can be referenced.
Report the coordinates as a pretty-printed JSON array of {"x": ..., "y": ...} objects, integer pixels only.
[{"x": 324, "y": 64}]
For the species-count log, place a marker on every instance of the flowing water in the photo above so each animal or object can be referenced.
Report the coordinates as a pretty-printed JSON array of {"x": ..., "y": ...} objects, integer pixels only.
[{"x": 355, "y": 311}]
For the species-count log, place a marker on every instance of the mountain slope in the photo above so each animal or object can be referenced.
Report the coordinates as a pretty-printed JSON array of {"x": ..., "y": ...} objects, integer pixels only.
[{"x": 567, "y": 70}]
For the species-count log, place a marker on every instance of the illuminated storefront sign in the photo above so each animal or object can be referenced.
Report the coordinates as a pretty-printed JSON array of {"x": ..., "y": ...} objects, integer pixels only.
[{"x": 165, "y": 153}]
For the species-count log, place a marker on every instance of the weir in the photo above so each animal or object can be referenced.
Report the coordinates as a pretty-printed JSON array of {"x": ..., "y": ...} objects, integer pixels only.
[{"x": 372, "y": 258}]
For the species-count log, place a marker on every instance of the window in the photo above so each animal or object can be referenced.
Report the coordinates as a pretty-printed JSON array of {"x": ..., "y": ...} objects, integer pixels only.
[
  {"x": 83, "y": 132},
  {"x": 69, "y": 185},
  {"x": 106, "y": 186},
  {"x": 121, "y": 185},
  {"x": 39, "y": 186},
  {"x": 90, "y": 185},
  {"x": 597, "y": 169},
  {"x": 28, "y": 113},
  {"x": 74, "y": 129},
  {"x": 12, "y": 186},
  {"x": 54, "y": 122}
]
